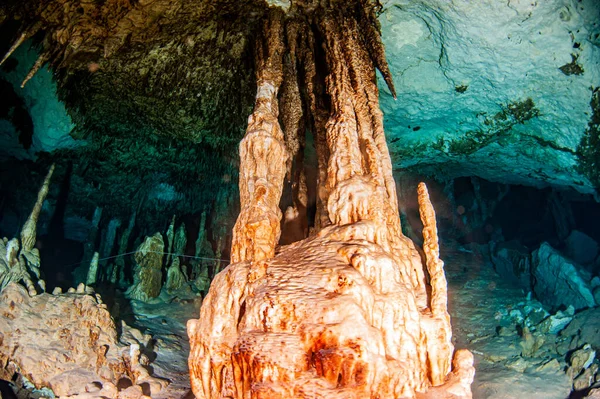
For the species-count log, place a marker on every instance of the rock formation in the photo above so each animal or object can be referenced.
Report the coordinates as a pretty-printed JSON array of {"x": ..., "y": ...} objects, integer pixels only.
[
  {"x": 175, "y": 277},
  {"x": 21, "y": 261},
  {"x": 170, "y": 237},
  {"x": 73, "y": 344},
  {"x": 28, "y": 233},
  {"x": 345, "y": 313},
  {"x": 118, "y": 270},
  {"x": 147, "y": 279},
  {"x": 558, "y": 281},
  {"x": 92, "y": 275}
]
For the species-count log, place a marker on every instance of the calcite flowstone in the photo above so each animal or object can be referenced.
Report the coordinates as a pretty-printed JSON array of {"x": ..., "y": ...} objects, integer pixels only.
[{"x": 345, "y": 313}]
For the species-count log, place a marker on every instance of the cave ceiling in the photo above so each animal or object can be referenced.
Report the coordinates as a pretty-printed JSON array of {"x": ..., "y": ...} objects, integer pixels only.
[{"x": 160, "y": 90}]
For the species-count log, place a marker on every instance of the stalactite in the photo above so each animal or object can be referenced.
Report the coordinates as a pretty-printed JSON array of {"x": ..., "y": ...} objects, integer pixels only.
[
  {"x": 22, "y": 37},
  {"x": 42, "y": 59},
  {"x": 263, "y": 155}
]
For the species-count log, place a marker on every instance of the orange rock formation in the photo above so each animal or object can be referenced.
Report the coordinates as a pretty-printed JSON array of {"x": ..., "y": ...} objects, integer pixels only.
[{"x": 346, "y": 312}]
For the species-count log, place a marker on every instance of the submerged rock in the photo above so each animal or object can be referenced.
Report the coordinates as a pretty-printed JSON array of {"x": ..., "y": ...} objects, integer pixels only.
[
  {"x": 581, "y": 247},
  {"x": 74, "y": 342},
  {"x": 512, "y": 262},
  {"x": 148, "y": 269},
  {"x": 558, "y": 281}
]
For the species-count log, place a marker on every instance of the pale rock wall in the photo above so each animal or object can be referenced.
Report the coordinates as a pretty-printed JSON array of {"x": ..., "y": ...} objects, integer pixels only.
[{"x": 501, "y": 53}]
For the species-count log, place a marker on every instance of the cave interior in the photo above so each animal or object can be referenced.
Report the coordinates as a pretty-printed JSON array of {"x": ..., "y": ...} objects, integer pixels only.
[{"x": 166, "y": 160}]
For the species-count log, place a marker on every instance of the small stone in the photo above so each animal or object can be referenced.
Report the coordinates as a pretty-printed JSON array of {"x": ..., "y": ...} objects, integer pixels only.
[
  {"x": 530, "y": 343},
  {"x": 584, "y": 381},
  {"x": 71, "y": 290},
  {"x": 562, "y": 347},
  {"x": 506, "y": 331},
  {"x": 93, "y": 387},
  {"x": 516, "y": 315},
  {"x": 536, "y": 316},
  {"x": 594, "y": 394},
  {"x": 580, "y": 360},
  {"x": 109, "y": 389},
  {"x": 81, "y": 288},
  {"x": 133, "y": 392},
  {"x": 549, "y": 366},
  {"x": 519, "y": 364},
  {"x": 555, "y": 324},
  {"x": 57, "y": 291},
  {"x": 89, "y": 290}
]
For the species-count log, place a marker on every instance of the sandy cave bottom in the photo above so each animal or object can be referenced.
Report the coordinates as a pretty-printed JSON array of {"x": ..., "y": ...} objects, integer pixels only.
[{"x": 332, "y": 316}]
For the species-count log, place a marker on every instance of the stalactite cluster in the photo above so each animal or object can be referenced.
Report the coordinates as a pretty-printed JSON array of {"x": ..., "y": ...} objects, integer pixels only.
[{"x": 346, "y": 312}]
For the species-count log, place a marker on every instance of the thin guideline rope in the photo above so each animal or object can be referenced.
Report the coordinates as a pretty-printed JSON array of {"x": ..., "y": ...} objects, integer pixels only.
[{"x": 154, "y": 252}]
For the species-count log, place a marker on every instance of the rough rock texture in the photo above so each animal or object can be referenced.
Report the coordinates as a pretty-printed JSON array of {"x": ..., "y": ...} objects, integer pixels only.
[
  {"x": 346, "y": 312},
  {"x": 512, "y": 261},
  {"x": 28, "y": 232},
  {"x": 147, "y": 279},
  {"x": 175, "y": 277},
  {"x": 74, "y": 341},
  {"x": 490, "y": 84},
  {"x": 263, "y": 157},
  {"x": 581, "y": 247},
  {"x": 558, "y": 281}
]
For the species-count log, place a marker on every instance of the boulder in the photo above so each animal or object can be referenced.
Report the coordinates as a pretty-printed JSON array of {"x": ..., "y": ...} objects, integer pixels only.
[
  {"x": 581, "y": 248},
  {"x": 558, "y": 280},
  {"x": 512, "y": 262}
]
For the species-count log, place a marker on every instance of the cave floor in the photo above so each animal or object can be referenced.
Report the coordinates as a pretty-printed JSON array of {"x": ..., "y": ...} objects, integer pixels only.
[
  {"x": 165, "y": 320},
  {"x": 479, "y": 302}
]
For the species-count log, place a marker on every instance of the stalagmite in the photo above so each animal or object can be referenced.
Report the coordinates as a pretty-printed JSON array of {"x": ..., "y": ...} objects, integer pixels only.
[
  {"x": 180, "y": 241},
  {"x": 175, "y": 277},
  {"x": 438, "y": 330},
  {"x": 28, "y": 233},
  {"x": 147, "y": 279},
  {"x": 170, "y": 237},
  {"x": 117, "y": 272},
  {"x": 201, "y": 235},
  {"x": 79, "y": 274},
  {"x": 93, "y": 270},
  {"x": 345, "y": 313}
]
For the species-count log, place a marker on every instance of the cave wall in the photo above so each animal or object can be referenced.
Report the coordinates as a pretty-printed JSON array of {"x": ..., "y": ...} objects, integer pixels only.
[{"x": 497, "y": 90}]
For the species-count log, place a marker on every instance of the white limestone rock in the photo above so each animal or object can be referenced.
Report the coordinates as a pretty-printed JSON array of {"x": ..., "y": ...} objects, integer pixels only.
[
  {"x": 558, "y": 280},
  {"x": 457, "y": 65}
]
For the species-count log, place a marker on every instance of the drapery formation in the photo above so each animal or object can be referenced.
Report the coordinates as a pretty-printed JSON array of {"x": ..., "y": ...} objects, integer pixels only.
[{"x": 346, "y": 312}]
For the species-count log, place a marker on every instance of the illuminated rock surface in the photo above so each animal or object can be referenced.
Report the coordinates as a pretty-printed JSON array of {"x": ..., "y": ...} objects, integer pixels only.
[{"x": 344, "y": 313}]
